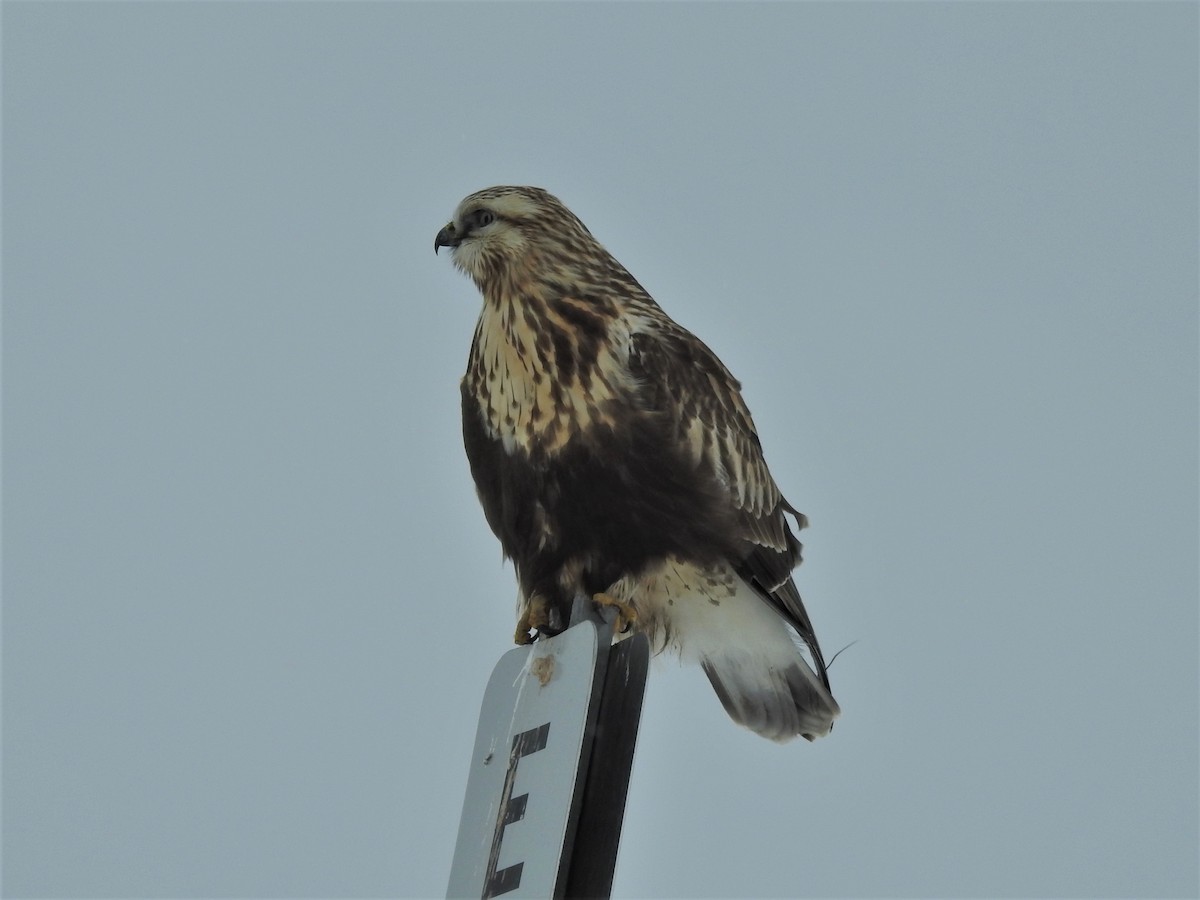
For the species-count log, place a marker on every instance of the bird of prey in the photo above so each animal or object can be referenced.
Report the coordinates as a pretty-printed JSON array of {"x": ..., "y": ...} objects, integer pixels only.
[{"x": 614, "y": 456}]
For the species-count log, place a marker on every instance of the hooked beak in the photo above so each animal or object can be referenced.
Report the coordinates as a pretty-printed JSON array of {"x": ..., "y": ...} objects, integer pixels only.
[{"x": 447, "y": 237}]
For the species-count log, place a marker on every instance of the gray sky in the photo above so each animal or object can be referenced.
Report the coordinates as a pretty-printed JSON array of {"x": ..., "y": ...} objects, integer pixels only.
[{"x": 250, "y": 602}]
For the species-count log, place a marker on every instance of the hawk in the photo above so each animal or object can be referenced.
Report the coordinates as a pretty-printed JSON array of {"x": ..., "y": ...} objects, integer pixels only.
[{"x": 614, "y": 456}]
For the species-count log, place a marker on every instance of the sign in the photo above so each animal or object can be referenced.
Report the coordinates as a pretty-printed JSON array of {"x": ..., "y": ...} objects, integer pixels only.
[{"x": 528, "y": 767}]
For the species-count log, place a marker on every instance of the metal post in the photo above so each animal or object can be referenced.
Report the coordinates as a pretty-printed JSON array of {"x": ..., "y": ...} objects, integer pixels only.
[{"x": 594, "y": 859}]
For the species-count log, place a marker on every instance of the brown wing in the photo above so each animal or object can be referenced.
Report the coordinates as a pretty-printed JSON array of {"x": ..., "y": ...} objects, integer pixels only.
[{"x": 685, "y": 380}]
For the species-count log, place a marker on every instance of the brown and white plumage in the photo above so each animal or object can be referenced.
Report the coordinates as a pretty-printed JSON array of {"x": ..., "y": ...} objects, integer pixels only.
[{"x": 613, "y": 454}]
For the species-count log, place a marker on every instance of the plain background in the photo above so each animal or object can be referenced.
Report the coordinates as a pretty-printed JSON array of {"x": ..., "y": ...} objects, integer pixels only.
[{"x": 250, "y": 602}]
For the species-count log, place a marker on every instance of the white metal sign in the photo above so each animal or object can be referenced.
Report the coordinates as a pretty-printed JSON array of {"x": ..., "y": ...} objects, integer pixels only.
[{"x": 522, "y": 799}]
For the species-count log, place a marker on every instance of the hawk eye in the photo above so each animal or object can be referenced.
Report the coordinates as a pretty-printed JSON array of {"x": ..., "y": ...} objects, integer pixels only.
[{"x": 484, "y": 217}]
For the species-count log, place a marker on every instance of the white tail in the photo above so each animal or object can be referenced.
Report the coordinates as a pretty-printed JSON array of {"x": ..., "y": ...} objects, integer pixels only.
[{"x": 755, "y": 664}]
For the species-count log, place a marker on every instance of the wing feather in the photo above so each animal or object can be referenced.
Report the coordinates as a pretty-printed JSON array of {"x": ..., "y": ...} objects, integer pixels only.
[{"x": 684, "y": 380}]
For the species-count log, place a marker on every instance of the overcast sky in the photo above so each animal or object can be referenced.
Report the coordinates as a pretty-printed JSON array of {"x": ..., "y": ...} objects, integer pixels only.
[{"x": 250, "y": 601}]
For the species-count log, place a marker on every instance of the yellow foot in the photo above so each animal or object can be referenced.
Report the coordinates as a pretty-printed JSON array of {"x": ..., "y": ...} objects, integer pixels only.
[
  {"x": 626, "y": 614},
  {"x": 534, "y": 615}
]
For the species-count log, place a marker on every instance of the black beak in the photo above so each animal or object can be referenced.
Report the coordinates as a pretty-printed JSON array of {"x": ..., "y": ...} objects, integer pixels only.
[{"x": 447, "y": 237}]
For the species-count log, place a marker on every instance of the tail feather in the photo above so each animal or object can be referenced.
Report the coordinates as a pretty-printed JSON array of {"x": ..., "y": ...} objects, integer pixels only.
[
  {"x": 777, "y": 703},
  {"x": 755, "y": 662},
  {"x": 753, "y": 655}
]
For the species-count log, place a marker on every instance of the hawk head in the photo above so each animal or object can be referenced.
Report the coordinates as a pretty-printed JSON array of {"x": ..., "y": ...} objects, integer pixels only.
[{"x": 500, "y": 230}]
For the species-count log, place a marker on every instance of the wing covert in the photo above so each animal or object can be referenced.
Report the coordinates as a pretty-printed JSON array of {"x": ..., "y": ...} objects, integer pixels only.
[{"x": 684, "y": 380}]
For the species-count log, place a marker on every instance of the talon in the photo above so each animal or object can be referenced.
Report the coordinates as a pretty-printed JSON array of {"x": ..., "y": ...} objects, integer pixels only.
[
  {"x": 626, "y": 613},
  {"x": 534, "y": 615}
]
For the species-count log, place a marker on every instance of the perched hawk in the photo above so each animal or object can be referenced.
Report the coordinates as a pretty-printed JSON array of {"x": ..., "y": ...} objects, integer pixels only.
[{"x": 613, "y": 455}]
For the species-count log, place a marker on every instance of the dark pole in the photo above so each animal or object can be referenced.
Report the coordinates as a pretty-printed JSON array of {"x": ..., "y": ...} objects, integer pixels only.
[{"x": 602, "y": 812}]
